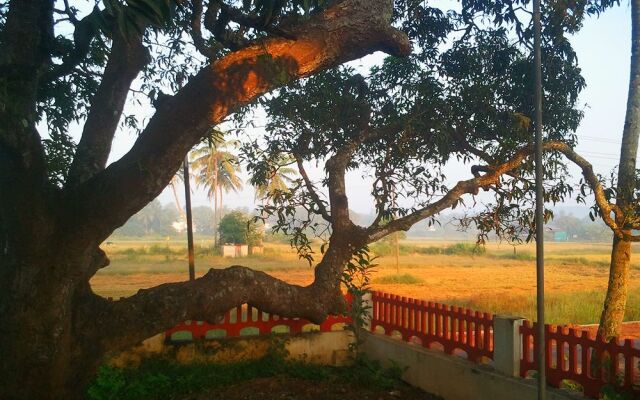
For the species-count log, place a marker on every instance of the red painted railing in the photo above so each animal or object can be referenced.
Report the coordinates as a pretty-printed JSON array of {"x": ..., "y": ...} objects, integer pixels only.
[
  {"x": 248, "y": 321},
  {"x": 455, "y": 329},
  {"x": 570, "y": 356},
  {"x": 570, "y": 352}
]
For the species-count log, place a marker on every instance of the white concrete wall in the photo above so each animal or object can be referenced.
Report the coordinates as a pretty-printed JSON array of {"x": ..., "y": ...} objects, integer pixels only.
[
  {"x": 451, "y": 377},
  {"x": 325, "y": 348},
  {"x": 231, "y": 250}
]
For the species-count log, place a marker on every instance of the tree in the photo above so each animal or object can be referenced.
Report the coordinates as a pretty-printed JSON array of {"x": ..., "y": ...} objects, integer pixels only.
[
  {"x": 60, "y": 201},
  {"x": 217, "y": 170},
  {"x": 203, "y": 220},
  {"x": 238, "y": 228},
  {"x": 627, "y": 208},
  {"x": 469, "y": 100}
]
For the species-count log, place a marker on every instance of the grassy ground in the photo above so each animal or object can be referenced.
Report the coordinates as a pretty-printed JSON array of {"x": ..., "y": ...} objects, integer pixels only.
[{"x": 494, "y": 280}]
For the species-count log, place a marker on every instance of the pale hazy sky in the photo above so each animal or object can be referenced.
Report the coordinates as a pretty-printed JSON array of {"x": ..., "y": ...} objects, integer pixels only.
[{"x": 603, "y": 48}]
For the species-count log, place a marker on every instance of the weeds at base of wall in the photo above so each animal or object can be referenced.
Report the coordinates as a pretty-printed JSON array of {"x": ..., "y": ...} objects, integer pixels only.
[{"x": 164, "y": 378}]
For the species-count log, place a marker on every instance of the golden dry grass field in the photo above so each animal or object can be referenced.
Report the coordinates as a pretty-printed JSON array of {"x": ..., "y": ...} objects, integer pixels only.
[{"x": 497, "y": 280}]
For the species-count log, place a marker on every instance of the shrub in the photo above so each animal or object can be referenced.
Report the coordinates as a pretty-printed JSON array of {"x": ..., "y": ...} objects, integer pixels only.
[
  {"x": 157, "y": 249},
  {"x": 405, "y": 279},
  {"x": 466, "y": 249}
]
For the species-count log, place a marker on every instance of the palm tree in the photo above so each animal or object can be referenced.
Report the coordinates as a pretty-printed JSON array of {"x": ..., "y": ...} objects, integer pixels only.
[
  {"x": 279, "y": 178},
  {"x": 217, "y": 170},
  {"x": 175, "y": 181}
]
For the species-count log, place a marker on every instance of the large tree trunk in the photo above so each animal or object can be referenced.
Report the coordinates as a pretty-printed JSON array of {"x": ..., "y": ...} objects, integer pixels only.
[
  {"x": 56, "y": 332},
  {"x": 54, "y": 329},
  {"x": 615, "y": 301},
  {"x": 48, "y": 351},
  {"x": 616, "y": 298}
]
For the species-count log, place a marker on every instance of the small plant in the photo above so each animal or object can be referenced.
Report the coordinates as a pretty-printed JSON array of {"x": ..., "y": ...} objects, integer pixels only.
[
  {"x": 160, "y": 250},
  {"x": 610, "y": 392},
  {"x": 357, "y": 278}
]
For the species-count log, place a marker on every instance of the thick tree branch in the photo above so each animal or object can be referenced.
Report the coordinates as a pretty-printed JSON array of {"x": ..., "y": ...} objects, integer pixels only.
[
  {"x": 196, "y": 31},
  {"x": 346, "y": 31},
  {"x": 606, "y": 208},
  {"x": 127, "y": 58},
  {"x": 207, "y": 298},
  {"x": 492, "y": 176},
  {"x": 23, "y": 187}
]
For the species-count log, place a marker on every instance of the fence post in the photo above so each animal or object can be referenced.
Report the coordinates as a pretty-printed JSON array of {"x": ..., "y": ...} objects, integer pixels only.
[{"x": 507, "y": 346}]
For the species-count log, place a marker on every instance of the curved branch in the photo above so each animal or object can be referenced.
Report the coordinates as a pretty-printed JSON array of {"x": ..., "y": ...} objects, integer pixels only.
[
  {"x": 492, "y": 176},
  {"x": 196, "y": 31},
  {"x": 154, "y": 310},
  {"x": 470, "y": 186},
  {"x": 605, "y": 206},
  {"x": 348, "y": 30},
  {"x": 127, "y": 58}
]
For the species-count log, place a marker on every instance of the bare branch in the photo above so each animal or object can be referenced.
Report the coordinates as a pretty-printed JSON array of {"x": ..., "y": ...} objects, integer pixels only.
[
  {"x": 196, "y": 31},
  {"x": 470, "y": 186},
  {"x": 312, "y": 190},
  {"x": 84, "y": 32},
  {"x": 606, "y": 208},
  {"x": 153, "y": 310},
  {"x": 492, "y": 176}
]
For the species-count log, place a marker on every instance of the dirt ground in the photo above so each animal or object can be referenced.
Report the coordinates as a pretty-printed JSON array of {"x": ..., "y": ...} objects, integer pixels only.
[
  {"x": 281, "y": 388},
  {"x": 498, "y": 281},
  {"x": 456, "y": 277}
]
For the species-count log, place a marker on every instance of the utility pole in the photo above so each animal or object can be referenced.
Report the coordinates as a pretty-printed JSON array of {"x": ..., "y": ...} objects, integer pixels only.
[
  {"x": 539, "y": 218},
  {"x": 187, "y": 201}
]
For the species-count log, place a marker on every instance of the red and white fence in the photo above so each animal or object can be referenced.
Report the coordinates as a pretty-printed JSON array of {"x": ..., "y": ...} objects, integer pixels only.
[
  {"x": 572, "y": 355},
  {"x": 454, "y": 329},
  {"x": 248, "y": 321}
]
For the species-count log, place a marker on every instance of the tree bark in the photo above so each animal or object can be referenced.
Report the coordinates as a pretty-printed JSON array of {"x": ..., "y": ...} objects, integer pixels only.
[
  {"x": 55, "y": 330},
  {"x": 616, "y": 298}
]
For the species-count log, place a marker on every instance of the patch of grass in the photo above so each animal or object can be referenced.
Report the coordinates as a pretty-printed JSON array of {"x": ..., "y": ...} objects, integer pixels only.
[
  {"x": 160, "y": 378},
  {"x": 560, "y": 308},
  {"x": 454, "y": 249},
  {"x": 464, "y": 248},
  {"x": 404, "y": 279},
  {"x": 521, "y": 256}
]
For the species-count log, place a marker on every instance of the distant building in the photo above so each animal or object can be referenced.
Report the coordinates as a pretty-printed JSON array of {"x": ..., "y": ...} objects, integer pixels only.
[
  {"x": 256, "y": 250},
  {"x": 556, "y": 234},
  {"x": 234, "y": 250}
]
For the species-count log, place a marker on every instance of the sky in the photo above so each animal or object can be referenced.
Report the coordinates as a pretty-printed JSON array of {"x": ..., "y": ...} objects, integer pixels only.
[{"x": 603, "y": 49}]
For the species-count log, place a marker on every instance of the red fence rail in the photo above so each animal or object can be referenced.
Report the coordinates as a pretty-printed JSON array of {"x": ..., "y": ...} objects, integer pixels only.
[
  {"x": 454, "y": 328},
  {"x": 576, "y": 356},
  {"x": 570, "y": 352},
  {"x": 247, "y": 321}
]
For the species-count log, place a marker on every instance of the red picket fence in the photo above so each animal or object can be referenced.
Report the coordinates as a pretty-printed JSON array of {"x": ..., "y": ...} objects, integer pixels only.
[
  {"x": 455, "y": 329},
  {"x": 570, "y": 354},
  {"x": 248, "y": 321}
]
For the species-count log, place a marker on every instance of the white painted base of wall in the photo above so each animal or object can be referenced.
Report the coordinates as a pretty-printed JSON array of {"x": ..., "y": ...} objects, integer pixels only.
[
  {"x": 450, "y": 377},
  {"x": 326, "y": 348}
]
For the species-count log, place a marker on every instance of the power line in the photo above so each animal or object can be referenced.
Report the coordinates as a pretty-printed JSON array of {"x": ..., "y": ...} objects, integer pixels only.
[{"x": 598, "y": 139}]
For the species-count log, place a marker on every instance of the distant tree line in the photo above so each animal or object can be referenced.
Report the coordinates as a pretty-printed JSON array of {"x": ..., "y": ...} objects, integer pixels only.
[{"x": 157, "y": 219}]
